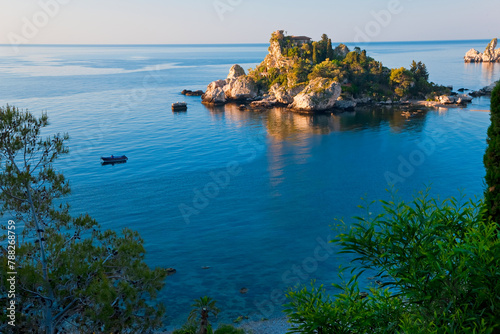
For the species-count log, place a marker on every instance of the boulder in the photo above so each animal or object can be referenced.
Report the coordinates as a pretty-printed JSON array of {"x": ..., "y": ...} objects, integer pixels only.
[
  {"x": 284, "y": 95},
  {"x": 236, "y": 71},
  {"x": 267, "y": 104},
  {"x": 345, "y": 104},
  {"x": 192, "y": 93},
  {"x": 464, "y": 98},
  {"x": 320, "y": 94},
  {"x": 215, "y": 93},
  {"x": 445, "y": 99},
  {"x": 241, "y": 88},
  {"x": 363, "y": 100},
  {"x": 341, "y": 51},
  {"x": 473, "y": 56}
]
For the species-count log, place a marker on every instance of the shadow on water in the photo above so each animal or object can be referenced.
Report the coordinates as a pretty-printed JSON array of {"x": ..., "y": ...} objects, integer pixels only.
[{"x": 283, "y": 124}]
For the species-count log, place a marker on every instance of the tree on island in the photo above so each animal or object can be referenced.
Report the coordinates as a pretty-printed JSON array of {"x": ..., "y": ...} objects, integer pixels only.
[
  {"x": 71, "y": 274},
  {"x": 492, "y": 159},
  {"x": 362, "y": 76}
]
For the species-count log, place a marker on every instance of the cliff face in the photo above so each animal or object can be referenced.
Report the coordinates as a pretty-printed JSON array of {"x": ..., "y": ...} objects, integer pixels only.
[{"x": 490, "y": 54}]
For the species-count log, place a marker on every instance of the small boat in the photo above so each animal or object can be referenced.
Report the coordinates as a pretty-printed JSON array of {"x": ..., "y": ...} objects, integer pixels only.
[
  {"x": 179, "y": 106},
  {"x": 114, "y": 160}
]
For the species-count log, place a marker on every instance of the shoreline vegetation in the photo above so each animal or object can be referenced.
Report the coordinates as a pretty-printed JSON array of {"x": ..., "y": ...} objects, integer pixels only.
[{"x": 307, "y": 76}]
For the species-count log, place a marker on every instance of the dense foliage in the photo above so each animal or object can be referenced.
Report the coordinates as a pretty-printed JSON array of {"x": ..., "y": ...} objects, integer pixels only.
[
  {"x": 492, "y": 158},
  {"x": 438, "y": 265},
  {"x": 359, "y": 74},
  {"x": 198, "y": 320},
  {"x": 72, "y": 276}
]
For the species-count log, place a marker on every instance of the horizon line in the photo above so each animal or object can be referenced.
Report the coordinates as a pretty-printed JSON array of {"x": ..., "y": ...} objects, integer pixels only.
[{"x": 229, "y": 44}]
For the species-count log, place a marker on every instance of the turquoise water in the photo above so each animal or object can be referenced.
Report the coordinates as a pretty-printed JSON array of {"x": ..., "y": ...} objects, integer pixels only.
[{"x": 251, "y": 195}]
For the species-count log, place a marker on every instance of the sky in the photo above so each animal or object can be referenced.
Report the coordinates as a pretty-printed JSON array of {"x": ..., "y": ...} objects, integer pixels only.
[{"x": 243, "y": 21}]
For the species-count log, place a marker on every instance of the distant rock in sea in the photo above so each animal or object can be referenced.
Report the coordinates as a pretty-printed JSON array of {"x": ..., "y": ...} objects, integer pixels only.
[{"x": 490, "y": 55}]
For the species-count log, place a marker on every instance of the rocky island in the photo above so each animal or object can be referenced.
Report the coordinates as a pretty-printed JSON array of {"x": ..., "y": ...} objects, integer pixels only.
[
  {"x": 490, "y": 55},
  {"x": 313, "y": 76}
]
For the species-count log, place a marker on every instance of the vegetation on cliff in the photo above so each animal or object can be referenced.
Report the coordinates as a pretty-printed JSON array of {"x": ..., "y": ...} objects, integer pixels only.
[{"x": 291, "y": 63}]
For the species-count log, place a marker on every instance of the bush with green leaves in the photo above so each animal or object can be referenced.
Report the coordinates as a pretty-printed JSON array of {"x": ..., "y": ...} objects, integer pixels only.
[
  {"x": 228, "y": 329},
  {"x": 492, "y": 158},
  {"x": 438, "y": 263}
]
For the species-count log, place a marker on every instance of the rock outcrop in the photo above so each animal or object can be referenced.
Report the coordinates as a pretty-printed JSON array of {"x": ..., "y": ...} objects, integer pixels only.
[
  {"x": 490, "y": 55},
  {"x": 284, "y": 95},
  {"x": 236, "y": 71},
  {"x": 320, "y": 94},
  {"x": 236, "y": 87},
  {"x": 484, "y": 91},
  {"x": 341, "y": 51}
]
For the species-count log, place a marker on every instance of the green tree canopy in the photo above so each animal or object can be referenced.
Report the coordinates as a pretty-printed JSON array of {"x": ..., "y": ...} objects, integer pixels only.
[
  {"x": 71, "y": 274},
  {"x": 492, "y": 158}
]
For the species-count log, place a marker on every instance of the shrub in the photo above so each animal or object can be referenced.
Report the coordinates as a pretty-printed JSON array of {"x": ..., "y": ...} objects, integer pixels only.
[
  {"x": 492, "y": 158},
  {"x": 438, "y": 263},
  {"x": 228, "y": 329}
]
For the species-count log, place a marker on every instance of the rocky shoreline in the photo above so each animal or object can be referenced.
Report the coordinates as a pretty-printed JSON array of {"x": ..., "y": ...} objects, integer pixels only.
[
  {"x": 306, "y": 76},
  {"x": 318, "y": 95}
]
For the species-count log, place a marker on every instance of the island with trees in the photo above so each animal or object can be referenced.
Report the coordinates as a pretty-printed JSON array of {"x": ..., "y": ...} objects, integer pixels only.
[{"x": 306, "y": 75}]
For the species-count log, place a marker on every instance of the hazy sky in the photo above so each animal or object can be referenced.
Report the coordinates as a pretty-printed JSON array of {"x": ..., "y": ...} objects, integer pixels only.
[{"x": 242, "y": 21}]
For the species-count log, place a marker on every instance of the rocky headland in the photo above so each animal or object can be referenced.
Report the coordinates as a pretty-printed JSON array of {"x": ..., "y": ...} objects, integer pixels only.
[
  {"x": 490, "y": 54},
  {"x": 313, "y": 76}
]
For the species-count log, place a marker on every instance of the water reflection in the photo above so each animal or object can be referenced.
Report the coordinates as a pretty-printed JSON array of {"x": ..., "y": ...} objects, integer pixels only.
[
  {"x": 487, "y": 72},
  {"x": 282, "y": 124}
]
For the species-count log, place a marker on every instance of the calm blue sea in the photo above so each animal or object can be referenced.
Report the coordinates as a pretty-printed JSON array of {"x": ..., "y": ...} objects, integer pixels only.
[{"x": 252, "y": 195}]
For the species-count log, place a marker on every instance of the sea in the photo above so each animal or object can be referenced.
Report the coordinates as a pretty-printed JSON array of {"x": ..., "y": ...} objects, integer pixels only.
[{"x": 236, "y": 199}]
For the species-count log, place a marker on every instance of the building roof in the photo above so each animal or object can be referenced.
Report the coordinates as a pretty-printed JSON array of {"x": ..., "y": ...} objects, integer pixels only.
[{"x": 301, "y": 38}]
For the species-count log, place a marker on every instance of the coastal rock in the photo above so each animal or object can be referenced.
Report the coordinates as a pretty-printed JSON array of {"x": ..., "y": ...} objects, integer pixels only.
[
  {"x": 490, "y": 54},
  {"x": 347, "y": 105},
  {"x": 266, "y": 104},
  {"x": 241, "y": 88},
  {"x": 236, "y": 71},
  {"x": 215, "y": 93},
  {"x": 473, "y": 56},
  {"x": 341, "y": 51},
  {"x": 284, "y": 95},
  {"x": 445, "y": 99},
  {"x": 465, "y": 98},
  {"x": 320, "y": 94},
  {"x": 363, "y": 100},
  {"x": 484, "y": 91},
  {"x": 188, "y": 92}
]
